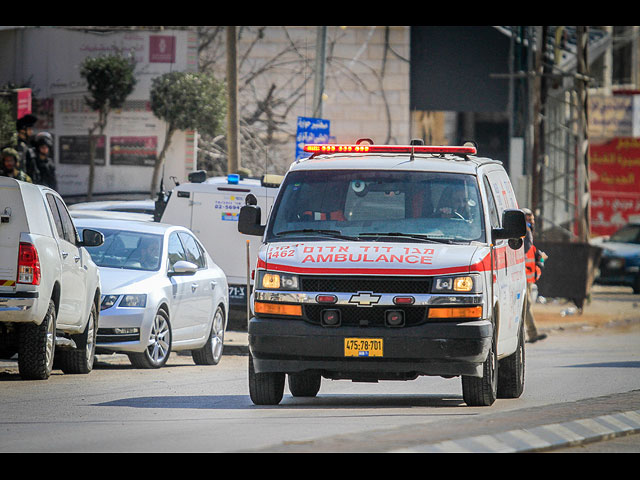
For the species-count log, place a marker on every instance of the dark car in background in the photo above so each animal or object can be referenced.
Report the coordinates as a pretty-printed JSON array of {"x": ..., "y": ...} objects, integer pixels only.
[{"x": 620, "y": 261}]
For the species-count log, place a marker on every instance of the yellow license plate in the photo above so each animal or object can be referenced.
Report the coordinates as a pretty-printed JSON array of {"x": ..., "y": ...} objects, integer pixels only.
[{"x": 363, "y": 347}]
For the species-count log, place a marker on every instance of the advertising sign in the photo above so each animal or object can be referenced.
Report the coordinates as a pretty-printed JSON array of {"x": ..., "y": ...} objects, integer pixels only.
[
  {"x": 23, "y": 102},
  {"x": 311, "y": 130},
  {"x": 615, "y": 184}
]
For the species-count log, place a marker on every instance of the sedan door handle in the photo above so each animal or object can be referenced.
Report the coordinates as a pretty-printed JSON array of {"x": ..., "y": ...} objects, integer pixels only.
[
  {"x": 64, "y": 254},
  {"x": 76, "y": 258},
  {"x": 194, "y": 287},
  {"x": 213, "y": 284}
]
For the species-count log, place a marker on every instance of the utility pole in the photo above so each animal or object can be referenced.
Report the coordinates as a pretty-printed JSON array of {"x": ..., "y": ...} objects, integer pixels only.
[
  {"x": 233, "y": 143},
  {"x": 321, "y": 60},
  {"x": 539, "y": 103},
  {"x": 583, "y": 190}
]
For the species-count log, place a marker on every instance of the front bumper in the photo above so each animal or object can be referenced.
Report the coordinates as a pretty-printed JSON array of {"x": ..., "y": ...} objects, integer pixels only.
[
  {"x": 615, "y": 271},
  {"x": 435, "y": 348},
  {"x": 114, "y": 319}
]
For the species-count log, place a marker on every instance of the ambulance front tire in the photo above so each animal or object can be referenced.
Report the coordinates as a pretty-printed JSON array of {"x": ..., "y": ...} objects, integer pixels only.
[
  {"x": 265, "y": 388},
  {"x": 511, "y": 370},
  {"x": 483, "y": 391}
]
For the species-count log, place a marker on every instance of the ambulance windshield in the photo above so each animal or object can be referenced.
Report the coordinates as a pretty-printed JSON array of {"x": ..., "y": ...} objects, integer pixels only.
[{"x": 378, "y": 205}]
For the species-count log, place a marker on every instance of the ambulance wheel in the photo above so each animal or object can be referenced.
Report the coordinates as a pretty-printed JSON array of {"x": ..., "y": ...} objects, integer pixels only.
[
  {"x": 511, "y": 370},
  {"x": 483, "y": 391},
  {"x": 265, "y": 388},
  {"x": 304, "y": 384}
]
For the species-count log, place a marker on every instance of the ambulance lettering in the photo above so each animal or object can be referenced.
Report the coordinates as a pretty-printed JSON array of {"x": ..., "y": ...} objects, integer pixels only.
[{"x": 366, "y": 254}]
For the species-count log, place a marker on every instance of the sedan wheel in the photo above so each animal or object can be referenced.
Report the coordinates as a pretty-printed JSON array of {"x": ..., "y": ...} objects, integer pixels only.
[
  {"x": 159, "y": 345},
  {"x": 211, "y": 353}
]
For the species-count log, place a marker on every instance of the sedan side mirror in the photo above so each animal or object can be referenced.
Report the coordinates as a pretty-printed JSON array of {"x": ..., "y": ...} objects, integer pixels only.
[
  {"x": 514, "y": 226},
  {"x": 91, "y": 238},
  {"x": 182, "y": 267}
]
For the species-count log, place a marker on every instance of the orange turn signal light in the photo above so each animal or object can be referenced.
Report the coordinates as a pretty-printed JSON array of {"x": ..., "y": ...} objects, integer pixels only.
[
  {"x": 456, "y": 312},
  {"x": 278, "y": 309}
]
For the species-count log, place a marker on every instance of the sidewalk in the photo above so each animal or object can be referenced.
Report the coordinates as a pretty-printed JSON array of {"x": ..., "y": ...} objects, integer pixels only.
[{"x": 610, "y": 307}]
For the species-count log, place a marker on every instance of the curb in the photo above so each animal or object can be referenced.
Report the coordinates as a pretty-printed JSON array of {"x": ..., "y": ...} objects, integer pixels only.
[{"x": 538, "y": 439}]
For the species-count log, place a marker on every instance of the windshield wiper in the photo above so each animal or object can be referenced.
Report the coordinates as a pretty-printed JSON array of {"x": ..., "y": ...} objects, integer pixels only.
[
  {"x": 331, "y": 233},
  {"x": 415, "y": 236}
]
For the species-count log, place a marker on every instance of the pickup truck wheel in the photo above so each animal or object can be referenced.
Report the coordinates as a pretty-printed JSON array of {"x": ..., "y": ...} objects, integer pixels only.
[
  {"x": 483, "y": 391},
  {"x": 265, "y": 388},
  {"x": 304, "y": 384},
  {"x": 211, "y": 353},
  {"x": 159, "y": 347},
  {"x": 80, "y": 360},
  {"x": 511, "y": 370},
  {"x": 37, "y": 346}
]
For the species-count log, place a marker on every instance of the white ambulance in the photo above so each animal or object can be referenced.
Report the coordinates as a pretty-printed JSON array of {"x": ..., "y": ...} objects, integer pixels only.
[
  {"x": 210, "y": 209},
  {"x": 387, "y": 263}
]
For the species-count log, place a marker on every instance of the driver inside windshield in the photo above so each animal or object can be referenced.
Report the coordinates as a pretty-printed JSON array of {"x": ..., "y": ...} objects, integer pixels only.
[{"x": 453, "y": 203}]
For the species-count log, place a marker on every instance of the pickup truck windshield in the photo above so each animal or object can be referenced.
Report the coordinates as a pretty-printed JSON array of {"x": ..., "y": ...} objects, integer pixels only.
[{"x": 378, "y": 205}]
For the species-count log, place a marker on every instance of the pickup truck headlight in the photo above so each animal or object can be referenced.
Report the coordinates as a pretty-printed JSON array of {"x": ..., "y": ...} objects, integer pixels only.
[
  {"x": 278, "y": 281},
  {"x": 458, "y": 284},
  {"x": 139, "y": 301}
]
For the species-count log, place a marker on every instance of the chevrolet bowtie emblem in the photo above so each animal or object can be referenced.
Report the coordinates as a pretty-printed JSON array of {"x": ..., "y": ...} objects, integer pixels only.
[{"x": 364, "y": 299}]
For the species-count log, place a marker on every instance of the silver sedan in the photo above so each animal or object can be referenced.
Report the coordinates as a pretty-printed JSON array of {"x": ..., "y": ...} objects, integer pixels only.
[{"x": 161, "y": 292}]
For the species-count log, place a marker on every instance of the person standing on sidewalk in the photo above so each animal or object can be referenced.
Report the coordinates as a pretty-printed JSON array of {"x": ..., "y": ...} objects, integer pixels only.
[{"x": 534, "y": 260}]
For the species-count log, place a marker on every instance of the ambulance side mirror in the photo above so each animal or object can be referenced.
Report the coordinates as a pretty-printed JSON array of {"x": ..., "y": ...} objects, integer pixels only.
[
  {"x": 514, "y": 227},
  {"x": 249, "y": 221}
]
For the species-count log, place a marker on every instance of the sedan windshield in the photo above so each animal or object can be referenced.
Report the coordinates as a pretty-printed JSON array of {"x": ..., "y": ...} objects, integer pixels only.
[
  {"x": 128, "y": 250},
  {"x": 378, "y": 205}
]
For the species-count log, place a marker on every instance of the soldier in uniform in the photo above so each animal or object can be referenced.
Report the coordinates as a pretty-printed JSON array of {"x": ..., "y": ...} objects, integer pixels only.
[
  {"x": 26, "y": 152},
  {"x": 44, "y": 160},
  {"x": 10, "y": 165}
]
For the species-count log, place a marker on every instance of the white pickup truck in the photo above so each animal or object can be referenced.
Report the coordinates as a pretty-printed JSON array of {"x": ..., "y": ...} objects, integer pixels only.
[{"x": 49, "y": 286}]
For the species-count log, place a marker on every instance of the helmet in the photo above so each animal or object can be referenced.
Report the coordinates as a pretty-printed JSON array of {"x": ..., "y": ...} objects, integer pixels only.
[
  {"x": 8, "y": 151},
  {"x": 44, "y": 138}
]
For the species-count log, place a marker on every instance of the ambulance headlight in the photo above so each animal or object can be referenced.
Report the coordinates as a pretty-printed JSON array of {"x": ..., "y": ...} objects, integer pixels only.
[
  {"x": 278, "y": 281},
  {"x": 462, "y": 284}
]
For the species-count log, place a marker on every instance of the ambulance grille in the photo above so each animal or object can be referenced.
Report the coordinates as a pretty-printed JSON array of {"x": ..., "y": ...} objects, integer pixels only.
[
  {"x": 366, "y": 317},
  {"x": 399, "y": 285}
]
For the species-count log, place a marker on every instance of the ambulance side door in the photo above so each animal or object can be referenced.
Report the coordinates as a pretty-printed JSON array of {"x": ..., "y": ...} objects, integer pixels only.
[{"x": 501, "y": 290}]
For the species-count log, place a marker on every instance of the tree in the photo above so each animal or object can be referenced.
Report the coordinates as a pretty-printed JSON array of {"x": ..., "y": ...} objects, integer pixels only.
[
  {"x": 109, "y": 80},
  {"x": 8, "y": 132},
  {"x": 186, "y": 101}
]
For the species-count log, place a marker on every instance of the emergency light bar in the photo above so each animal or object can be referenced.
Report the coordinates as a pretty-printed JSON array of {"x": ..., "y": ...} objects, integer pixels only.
[{"x": 361, "y": 148}]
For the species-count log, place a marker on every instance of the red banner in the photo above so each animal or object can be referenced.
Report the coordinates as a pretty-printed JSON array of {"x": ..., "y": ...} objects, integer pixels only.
[
  {"x": 23, "y": 102},
  {"x": 615, "y": 184}
]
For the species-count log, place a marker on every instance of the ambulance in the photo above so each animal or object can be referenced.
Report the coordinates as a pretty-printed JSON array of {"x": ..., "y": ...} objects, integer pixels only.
[{"x": 389, "y": 262}]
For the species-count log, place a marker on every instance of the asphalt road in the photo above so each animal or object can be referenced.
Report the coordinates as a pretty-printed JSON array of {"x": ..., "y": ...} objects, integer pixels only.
[{"x": 189, "y": 408}]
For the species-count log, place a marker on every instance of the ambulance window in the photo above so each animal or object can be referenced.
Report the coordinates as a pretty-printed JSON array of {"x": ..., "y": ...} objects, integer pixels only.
[
  {"x": 366, "y": 203},
  {"x": 493, "y": 211}
]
